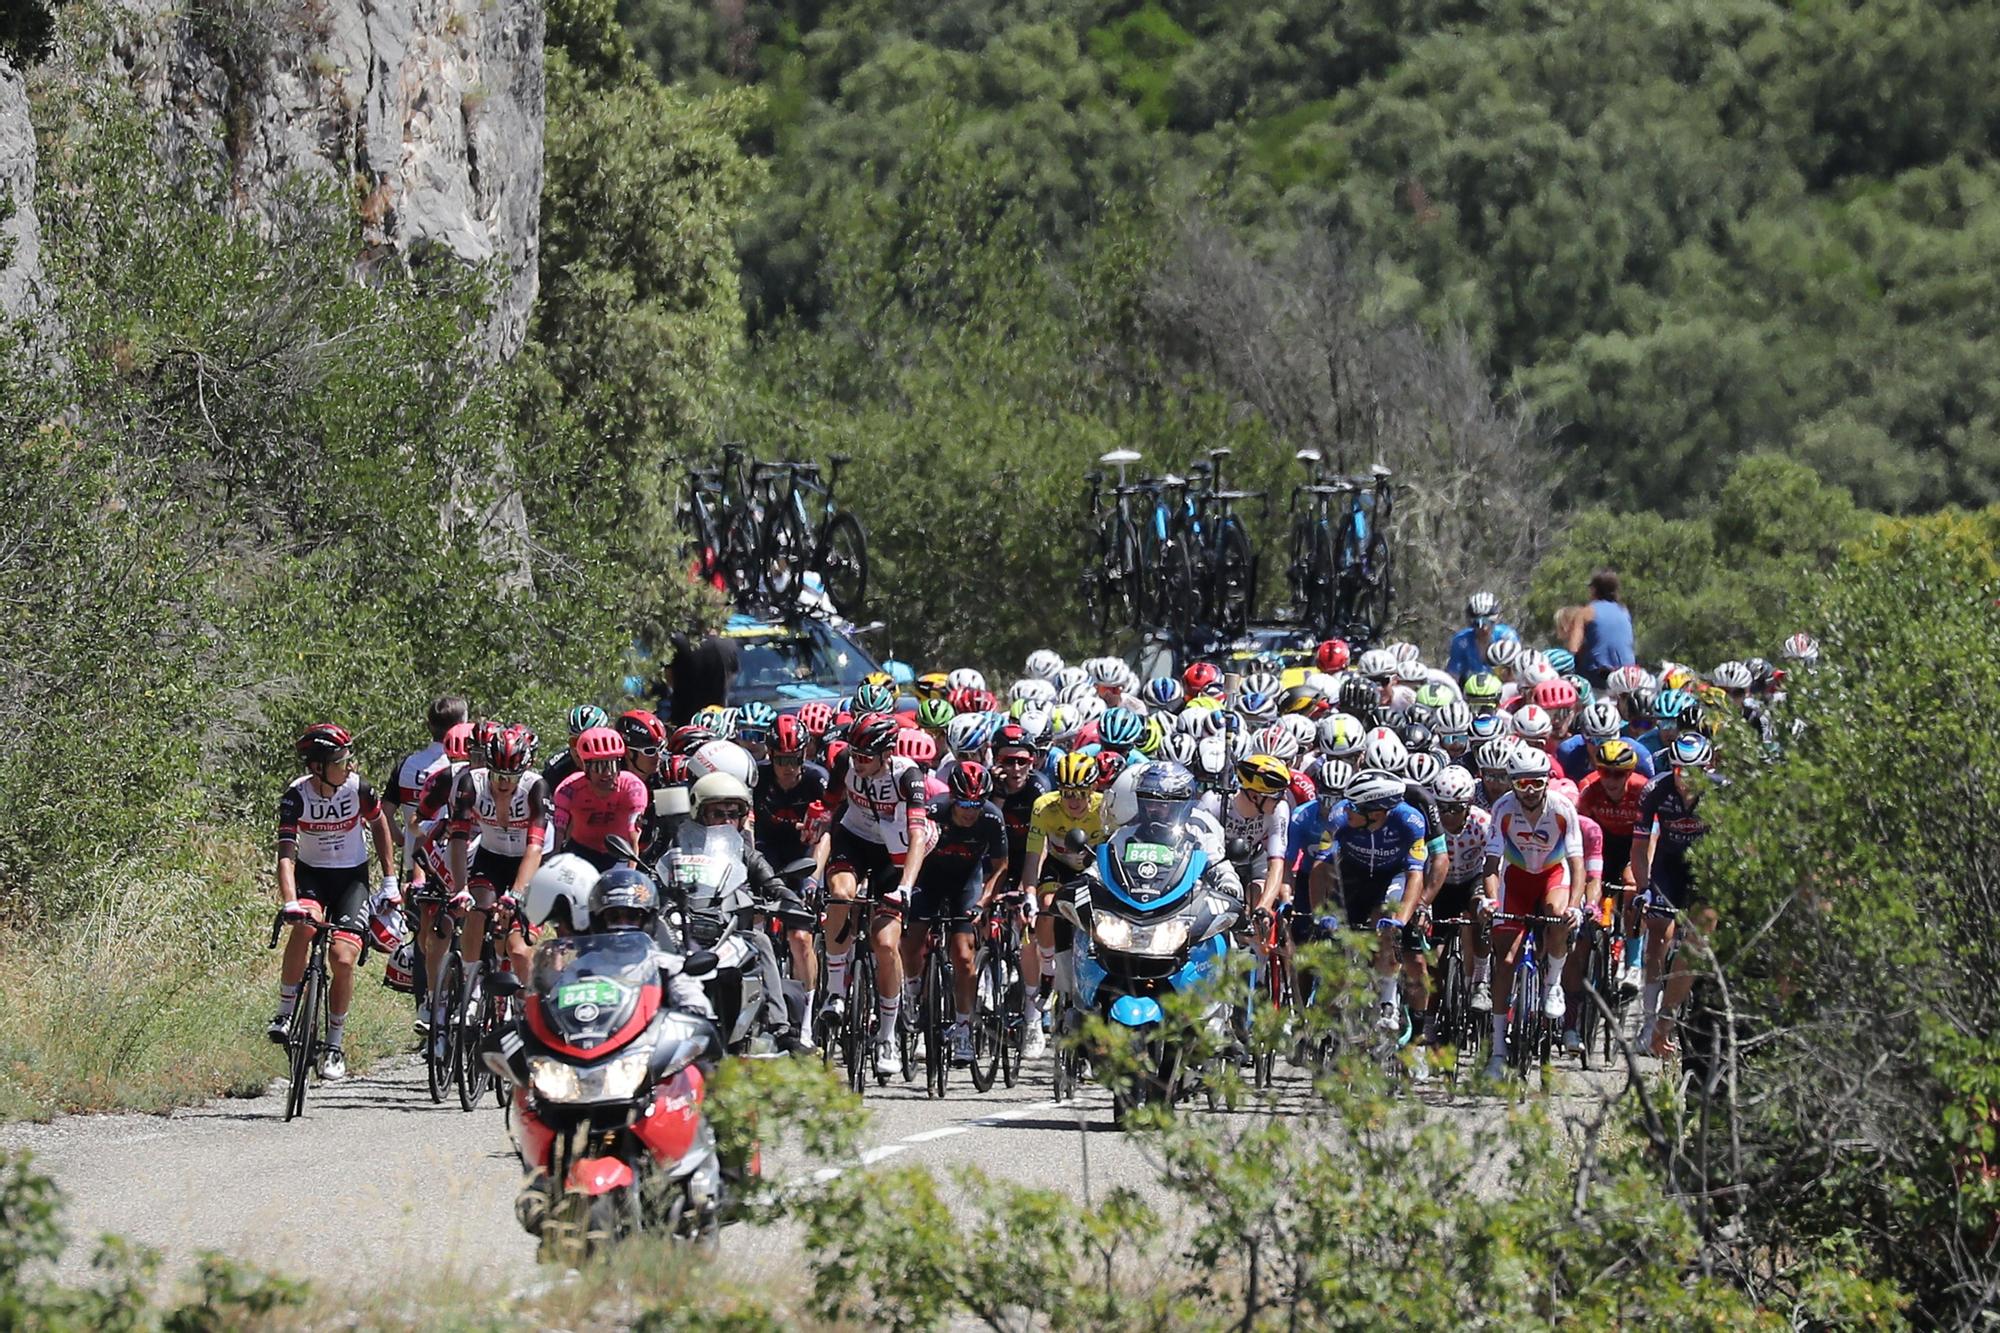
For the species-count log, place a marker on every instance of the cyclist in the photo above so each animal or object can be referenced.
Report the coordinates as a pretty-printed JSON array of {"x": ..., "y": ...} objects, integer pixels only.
[
  {"x": 602, "y": 800},
  {"x": 414, "y": 772},
  {"x": 323, "y": 877},
  {"x": 506, "y": 808},
  {"x": 1610, "y": 795},
  {"x": 1466, "y": 827},
  {"x": 787, "y": 789},
  {"x": 1669, "y": 824},
  {"x": 1534, "y": 856},
  {"x": 563, "y": 763},
  {"x": 1483, "y": 625},
  {"x": 961, "y": 871},
  {"x": 1076, "y": 804},
  {"x": 1017, "y": 788},
  {"x": 883, "y": 828},
  {"x": 1256, "y": 824}
]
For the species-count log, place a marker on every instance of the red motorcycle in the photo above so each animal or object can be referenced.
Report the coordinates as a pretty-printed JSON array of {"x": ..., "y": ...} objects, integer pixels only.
[{"x": 608, "y": 1091}]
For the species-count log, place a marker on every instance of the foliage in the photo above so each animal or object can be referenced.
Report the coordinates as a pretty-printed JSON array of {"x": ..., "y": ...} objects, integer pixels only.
[
  {"x": 1857, "y": 937},
  {"x": 1730, "y": 584}
]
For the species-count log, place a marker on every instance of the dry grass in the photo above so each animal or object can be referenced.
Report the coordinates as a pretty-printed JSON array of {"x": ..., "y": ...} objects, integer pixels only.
[{"x": 155, "y": 994}]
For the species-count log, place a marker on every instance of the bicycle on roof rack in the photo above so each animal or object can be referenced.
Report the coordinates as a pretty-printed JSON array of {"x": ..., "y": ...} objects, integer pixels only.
[
  {"x": 1341, "y": 569},
  {"x": 719, "y": 517},
  {"x": 1223, "y": 565},
  {"x": 804, "y": 532}
]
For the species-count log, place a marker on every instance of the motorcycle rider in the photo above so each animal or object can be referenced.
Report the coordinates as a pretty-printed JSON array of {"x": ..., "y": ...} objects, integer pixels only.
[{"x": 722, "y": 800}]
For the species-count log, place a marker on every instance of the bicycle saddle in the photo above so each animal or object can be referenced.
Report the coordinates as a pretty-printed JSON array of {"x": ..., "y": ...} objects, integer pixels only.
[
  {"x": 1377, "y": 471},
  {"x": 1119, "y": 457},
  {"x": 840, "y": 460},
  {"x": 1307, "y": 455}
]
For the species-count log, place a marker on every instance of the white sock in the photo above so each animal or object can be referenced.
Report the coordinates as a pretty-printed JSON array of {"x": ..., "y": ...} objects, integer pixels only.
[
  {"x": 288, "y": 1000},
  {"x": 1554, "y": 980},
  {"x": 887, "y": 1007},
  {"x": 811, "y": 995},
  {"x": 1031, "y": 1007},
  {"x": 836, "y": 973}
]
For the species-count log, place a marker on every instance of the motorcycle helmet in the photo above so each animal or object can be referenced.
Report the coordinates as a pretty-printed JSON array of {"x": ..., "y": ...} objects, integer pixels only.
[{"x": 624, "y": 899}]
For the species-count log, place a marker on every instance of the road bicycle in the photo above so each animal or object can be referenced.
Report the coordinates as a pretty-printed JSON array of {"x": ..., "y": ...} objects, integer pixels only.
[
  {"x": 999, "y": 1032},
  {"x": 1114, "y": 588},
  {"x": 484, "y": 1010},
  {"x": 804, "y": 532},
  {"x": 309, "y": 1016},
  {"x": 937, "y": 1008},
  {"x": 1270, "y": 992},
  {"x": 1530, "y": 1033},
  {"x": 1603, "y": 969},
  {"x": 1341, "y": 571},
  {"x": 1224, "y": 565},
  {"x": 1453, "y": 1021},
  {"x": 722, "y": 527}
]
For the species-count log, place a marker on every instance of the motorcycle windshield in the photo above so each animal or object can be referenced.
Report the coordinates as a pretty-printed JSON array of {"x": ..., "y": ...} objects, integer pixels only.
[
  {"x": 588, "y": 986},
  {"x": 1149, "y": 862},
  {"x": 704, "y": 871}
]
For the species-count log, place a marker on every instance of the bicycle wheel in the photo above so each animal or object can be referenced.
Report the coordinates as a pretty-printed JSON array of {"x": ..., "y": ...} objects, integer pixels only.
[
  {"x": 437, "y": 1062},
  {"x": 783, "y": 549},
  {"x": 843, "y": 563},
  {"x": 1014, "y": 1023},
  {"x": 1593, "y": 982},
  {"x": 737, "y": 558},
  {"x": 862, "y": 1019},
  {"x": 1231, "y": 583},
  {"x": 304, "y": 1038},
  {"x": 1378, "y": 593},
  {"x": 1322, "y": 582},
  {"x": 1179, "y": 599},
  {"x": 989, "y": 1020},
  {"x": 1064, "y": 1063},
  {"x": 1126, "y": 585},
  {"x": 467, "y": 1071},
  {"x": 937, "y": 1001}
]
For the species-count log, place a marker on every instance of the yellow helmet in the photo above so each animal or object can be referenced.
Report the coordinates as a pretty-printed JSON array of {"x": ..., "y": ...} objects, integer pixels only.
[
  {"x": 879, "y": 678},
  {"x": 1203, "y": 701},
  {"x": 1263, "y": 774},
  {"x": 1075, "y": 770},
  {"x": 1150, "y": 742},
  {"x": 932, "y": 685},
  {"x": 1618, "y": 755}
]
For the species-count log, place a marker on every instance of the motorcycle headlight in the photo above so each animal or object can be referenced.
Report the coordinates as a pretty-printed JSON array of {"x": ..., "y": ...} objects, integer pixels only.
[
  {"x": 622, "y": 1077},
  {"x": 1113, "y": 932},
  {"x": 1164, "y": 939},
  {"x": 554, "y": 1081}
]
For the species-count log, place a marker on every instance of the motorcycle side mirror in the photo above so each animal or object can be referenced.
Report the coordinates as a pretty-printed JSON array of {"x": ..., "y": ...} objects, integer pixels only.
[
  {"x": 504, "y": 984},
  {"x": 1076, "y": 840},
  {"x": 616, "y": 844},
  {"x": 700, "y": 963},
  {"x": 1238, "y": 850}
]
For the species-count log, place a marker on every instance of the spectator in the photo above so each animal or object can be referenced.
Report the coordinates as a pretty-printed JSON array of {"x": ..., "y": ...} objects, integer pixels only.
[
  {"x": 1601, "y": 634},
  {"x": 702, "y": 674}
]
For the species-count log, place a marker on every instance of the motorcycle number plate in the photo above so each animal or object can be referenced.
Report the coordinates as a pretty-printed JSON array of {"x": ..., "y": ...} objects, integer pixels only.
[
  {"x": 1148, "y": 855},
  {"x": 602, "y": 994}
]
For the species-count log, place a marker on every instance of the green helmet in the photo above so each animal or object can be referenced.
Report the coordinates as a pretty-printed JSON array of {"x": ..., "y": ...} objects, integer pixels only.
[
  {"x": 583, "y": 717},
  {"x": 935, "y": 714},
  {"x": 873, "y": 697},
  {"x": 1482, "y": 688},
  {"x": 1432, "y": 695}
]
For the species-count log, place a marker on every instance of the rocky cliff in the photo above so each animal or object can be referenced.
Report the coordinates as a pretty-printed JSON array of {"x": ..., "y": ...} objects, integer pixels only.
[
  {"x": 430, "y": 111},
  {"x": 23, "y": 294}
]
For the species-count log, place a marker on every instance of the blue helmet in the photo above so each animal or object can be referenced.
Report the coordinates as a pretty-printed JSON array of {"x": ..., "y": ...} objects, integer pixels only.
[
  {"x": 1668, "y": 705},
  {"x": 1163, "y": 692},
  {"x": 757, "y": 716},
  {"x": 1121, "y": 728},
  {"x": 1562, "y": 659}
]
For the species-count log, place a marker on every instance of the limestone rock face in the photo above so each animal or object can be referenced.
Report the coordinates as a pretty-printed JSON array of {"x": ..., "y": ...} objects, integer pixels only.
[{"x": 24, "y": 293}]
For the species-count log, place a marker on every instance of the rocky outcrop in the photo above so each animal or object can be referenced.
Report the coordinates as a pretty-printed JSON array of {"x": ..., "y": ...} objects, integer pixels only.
[
  {"x": 24, "y": 294},
  {"x": 429, "y": 111}
]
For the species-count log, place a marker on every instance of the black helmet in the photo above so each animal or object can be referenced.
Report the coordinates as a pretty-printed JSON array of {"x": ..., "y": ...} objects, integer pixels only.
[
  {"x": 1358, "y": 697},
  {"x": 1416, "y": 735},
  {"x": 874, "y": 735},
  {"x": 628, "y": 896}
]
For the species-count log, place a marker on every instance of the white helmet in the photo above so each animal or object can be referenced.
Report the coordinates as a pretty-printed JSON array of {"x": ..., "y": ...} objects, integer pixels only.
[
  {"x": 1199, "y": 722},
  {"x": 1033, "y": 690},
  {"x": 1385, "y": 750},
  {"x": 1600, "y": 720},
  {"x": 1300, "y": 729},
  {"x": 1504, "y": 652},
  {"x": 1077, "y": 693},
  {"x": 1044, "y": 664},
  {"x": 1211, "y": 757},
  {"x": 1377, "y": 788},
  {"x": 966, "y": 733},
  {"x": 1323, "y": 684},
  {"x": 1535, "y": 669},
  {"x": 1105, "y": 671},
  {"x": 564, "y": 882},
  {"x": 1340, "y": 736},
  {"x": 1423, "y": 769},
  {"x": 1063, "y": 725},
  {"x": 1279, "y": 743},
  {"x": 1412, "y": 672},
  {"x": 1452, "y": 719},
  {"x": 1626, "y": 679},
  {"x": 1258, "y": 682},
  {"x": 1071, "y": 678},
  {"x": 1376, "y": 665},
  {"x": 1404, "y": 652},
  {"x": 1454, "y": 786},
  {"x": 1177, "y": 747},
  {"x": 1089, "y": 709},
  {"x": 718, "y": 787},
  {"x": 723, "y": 757},
  {"x": 1532, "y": 722},
  {"x": 1731, "y": 676},
  {"x": 1527, "y": 762},
  {"x": 1802, "y": 648},
  {"x": 1333, "y": 777},
  {"x": 965, "y": 678}
]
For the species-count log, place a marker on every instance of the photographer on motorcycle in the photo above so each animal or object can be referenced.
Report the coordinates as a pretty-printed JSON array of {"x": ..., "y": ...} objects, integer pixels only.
[{"x": 721, "y": 799}]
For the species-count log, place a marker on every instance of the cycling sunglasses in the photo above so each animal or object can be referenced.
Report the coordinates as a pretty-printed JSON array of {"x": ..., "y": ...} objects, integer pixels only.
[
  {"x": 648, "y": 750},
  {"x": 1454, "y": 807},
  {"x": 1013, "y": 760},
  {"x": 789, "y": 760},
  {"x": 752, "y": 735},
  {"x": 969, "y": 805},
  {"x": 507, "y": 774},
  {"x": 1078, "y": 793},
  {"x": 1530, "y": 784}
]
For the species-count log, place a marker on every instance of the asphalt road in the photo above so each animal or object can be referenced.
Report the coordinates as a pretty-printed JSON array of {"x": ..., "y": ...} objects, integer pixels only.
[{"x": 376, "y": 1174}]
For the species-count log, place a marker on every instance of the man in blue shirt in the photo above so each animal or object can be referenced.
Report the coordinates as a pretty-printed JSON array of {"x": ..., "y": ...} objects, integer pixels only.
[{"x": 1469, "y": 645}]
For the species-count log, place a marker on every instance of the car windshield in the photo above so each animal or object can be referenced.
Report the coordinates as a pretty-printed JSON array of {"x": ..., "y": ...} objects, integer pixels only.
[{"x": 801, "y": 665}]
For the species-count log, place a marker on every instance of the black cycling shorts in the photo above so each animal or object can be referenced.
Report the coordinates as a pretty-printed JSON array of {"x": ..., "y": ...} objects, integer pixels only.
[
  {"x": 1455, "y": 899},
  {"x": 937, "y": 902},
  {"x": 1362, "y": 896},
  {"x": 342, "y": 891},
  {"x": 866, "y": 861},
  {"x": 496, "y": 870}
]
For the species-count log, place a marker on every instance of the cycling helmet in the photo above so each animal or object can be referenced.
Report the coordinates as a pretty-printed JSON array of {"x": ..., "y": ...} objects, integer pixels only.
[
  {"x": 457, "y": 742},
  {"x": 1584, "y": 692},
  {"x": 1668, "y": 705},
  {"x": 1110, "y": 764},
  {"x": 1089, "y": 709},
  {"x": 1340, "y": 736},
  {"x": 756, "y": 720},
  {"x": 1198, "y": 676},
  {"x": 1071, "y": 678},
  {"x": 1412, "y": 672},
  {"x": 624, "y": 899},
  {"x": 1698, "y": 717},
  {"x": 1211, "y": 758},
  {"x": 1692, "y": 750},
  {"x": 717, "y": 786},
  {"x": 969, "y": 781},
  {"x": 585, "y": 716},
  {"x": 1423, "y": 769},
  {"x": 1163, "y": 792},
  {"x": 1551, "y": 695},
  {"x": 1762, "y": 674},
  {"x": 324, "y": 742},
  {"x": 1533, "y": 669},
  {"x": 931, "y": 685},
  {"x": 816, "y": 717},
  {"x": 1334, "y": 775},
  {"x": 1454, "y": 786},
  {"x": 641, "y": 730},
  {"x": 1617, "y": 754},
  {"x": 1384, "y": 749},
  {"x": 1489, "y": 727},
  {"x": 716, "y": 718},
  {"x": 1076, "y": 769},
  {"x": 1258, "y": 682},
  {"x": 399, "y": 973},
  {"x": 1414, "y": 735},
  {"x": 1257, "y": 706},
  {"x": 1482, "y": 606},
  {"x": 1163, "y": 692},
  {"x": 967, "y": 733},
  {"x": 1532, "y": 723},
  {"x": 1009, "y": 736},
  {"x": 1301, "y": 730},
  {"x": 1503, "y": 652},
  {"x": 1179, "y": 747},
  {"x": 917, "y": 746},
  {"x": 1063, "y": 725},
  {"x": 1433, "y": 694},
  {"x": 1801, "y": 648},
  {"x": 1452, "y": 720},
  {"x": 1303, "y": 701},
  {"x": 1643, "y": 700},
  {"x": 788, "y": 738},
  {"x": 966, "y": 678},
  {"x": 1482, "y": 687},
  {"x": 599, "y": 743},
  {"x": 1562, "y": 659},
  {"x": 691, "y": 737},
  {"x": 563, "y": 885},
  {"x": 1731, "y": 676},
  {"x": 1600, "y": 720},
  {"x": 1527, "y": 762},
  {"x": 1674, "y": 676},
  {"x": 1032, "y": 693},
  {"x": 1625, "y": 679},
  {"x": 1106, "y": 671},
  {"x": 935, "y": 714},
  {"x": 871, "y": 698},
  {"x": 875, "y": 735},
  {"x": 1150, "y": 738},
  {"x": 511, "y": 752},
  {"x": 1263, "y": 774},
  {"x": 1044, "y": 664},
  {"x": 724, "y": 757},
  {"x": 1331, "y": 655},
  {"x": 1280, "y": 744},
  {"x": 1376, "y": 665},
  {"x": 1374, "y": 789},
  {"x": 1495, "y": 755},
  {"x": 878, "y": 678},
  {"x": 1357, "y": 696},
  {"x": 1121, "y": 728},
  {"x": 1404, "y": 651},
  {"x": 1037, "y": 727},
  {"x": 1199, "y": 722}
]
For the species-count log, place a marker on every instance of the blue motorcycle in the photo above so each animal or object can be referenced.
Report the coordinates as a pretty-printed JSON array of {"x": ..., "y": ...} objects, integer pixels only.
[{"x": 1155, "y": 923}]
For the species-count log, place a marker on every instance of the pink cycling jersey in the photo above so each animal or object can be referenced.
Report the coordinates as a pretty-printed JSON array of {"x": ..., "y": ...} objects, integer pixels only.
[{"x": 586, "y": 816}]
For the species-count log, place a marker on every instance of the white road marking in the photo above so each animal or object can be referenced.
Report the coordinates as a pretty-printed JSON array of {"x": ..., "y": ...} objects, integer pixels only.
[
  {"x": 931, "y": 1135},
  {"x": 873, "y": 1155}
]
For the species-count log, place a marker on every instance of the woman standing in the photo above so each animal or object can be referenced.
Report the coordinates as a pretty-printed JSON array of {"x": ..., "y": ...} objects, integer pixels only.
[{"x": 1601, "y": 634}]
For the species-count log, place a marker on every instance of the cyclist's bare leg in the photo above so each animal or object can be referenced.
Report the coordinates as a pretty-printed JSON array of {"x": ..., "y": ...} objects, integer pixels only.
[
  {"x": 805, "y": 963},
  {"x": 841, "y": 886},
  {"x": 298, "y": 942},
  {"x": 960, "y": 943},
  {"x": 342, "y": 953}
]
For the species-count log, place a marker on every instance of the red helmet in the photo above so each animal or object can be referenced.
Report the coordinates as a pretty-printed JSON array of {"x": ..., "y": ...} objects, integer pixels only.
[
  {"x": 323, "y": 742},
  {"x": 788, "y": 737},
  {"x": 674, "y": 770},
  {"x": 816, "y": 717},
  {"x": 969, "y": 781},
  {"x": 834, "y": 749},
  {"x": 916, "y": 745},
  {"x": 876, "y": 735},
  {"x": 1554, "y": 694},
  {"x": 511, "y": 751},
  {"x": 641, "y": 729},
  {"x": 1110, "y": 764},
  {"x": 456, "y": 742},
  {"x": 964, "y": 699},
  {"x": 1331, "y": 655},
  {"x": 690, "y": 738},
  {"x": 484, "y": 732},
  {"x": 600, "y": 743},
  {"x": 1199, "y": 676}
]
